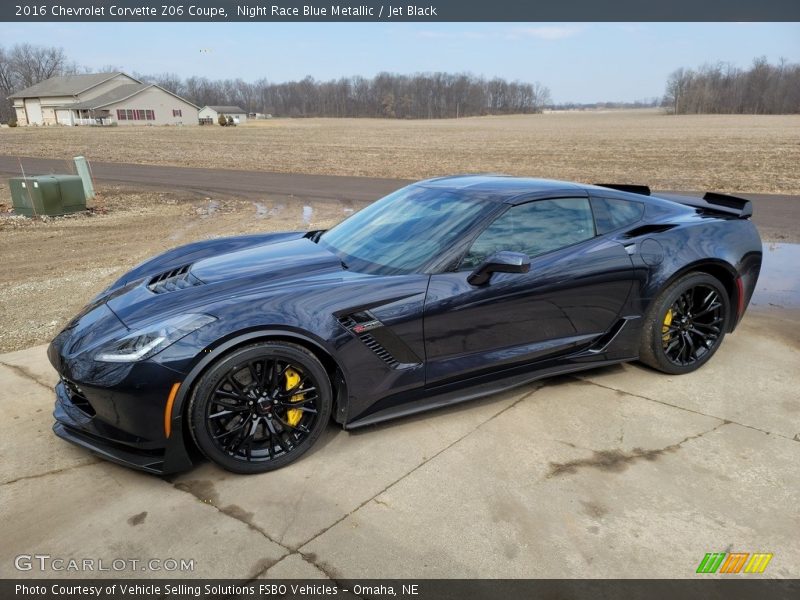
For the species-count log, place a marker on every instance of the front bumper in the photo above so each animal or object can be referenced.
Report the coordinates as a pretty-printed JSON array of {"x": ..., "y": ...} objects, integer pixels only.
[{"x": 78, "y": 423}]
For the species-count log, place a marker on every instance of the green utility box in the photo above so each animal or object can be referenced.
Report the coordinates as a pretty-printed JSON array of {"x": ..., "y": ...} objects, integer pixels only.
[{"x": 47, "y": 195}]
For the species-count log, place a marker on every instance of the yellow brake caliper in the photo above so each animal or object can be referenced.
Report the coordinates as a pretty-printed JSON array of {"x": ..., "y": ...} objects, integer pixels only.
[
  {"x": 293, "y": 415},
  {"x": 665, "y": 328}
]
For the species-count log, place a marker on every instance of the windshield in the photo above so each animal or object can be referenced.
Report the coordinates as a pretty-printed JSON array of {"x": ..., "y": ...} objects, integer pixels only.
[{"x": 405, "y": 230}]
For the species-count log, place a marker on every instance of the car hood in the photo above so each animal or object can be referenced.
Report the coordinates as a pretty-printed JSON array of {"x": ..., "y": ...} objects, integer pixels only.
[
  {"x": 222, "y": 275},
  {"x": 293, "y": 258}
]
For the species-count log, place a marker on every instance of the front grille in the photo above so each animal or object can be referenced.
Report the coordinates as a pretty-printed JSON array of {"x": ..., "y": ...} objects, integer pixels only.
[
  {"x": 173, "y": 280},
  {"x": 77, "y": 397}
]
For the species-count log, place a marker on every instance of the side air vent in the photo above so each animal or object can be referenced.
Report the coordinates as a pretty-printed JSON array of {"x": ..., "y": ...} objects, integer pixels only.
[
  {"x": 642, "y": 190},
  {"x": 355, "y": 324},
  {"x": 347, "y": 322},
  {"x": 173, "y": 280},
  {"x": 381, "y": 352},
  {"x": 648, "y": 229}
]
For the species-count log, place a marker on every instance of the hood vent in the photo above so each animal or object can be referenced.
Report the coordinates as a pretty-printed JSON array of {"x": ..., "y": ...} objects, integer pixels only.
[{"x": 173, "y": 280}]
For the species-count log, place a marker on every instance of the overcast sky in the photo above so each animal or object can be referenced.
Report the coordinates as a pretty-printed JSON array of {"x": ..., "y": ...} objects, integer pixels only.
[{"x": 578, "y": 62}]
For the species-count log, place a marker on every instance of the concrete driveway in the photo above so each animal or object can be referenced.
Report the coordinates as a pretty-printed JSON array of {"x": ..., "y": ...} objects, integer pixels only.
[{"x": 620, "y": 472}]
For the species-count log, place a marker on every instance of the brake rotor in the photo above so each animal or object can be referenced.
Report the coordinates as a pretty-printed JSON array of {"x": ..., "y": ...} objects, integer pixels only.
[{"x": 293, "y": 415}]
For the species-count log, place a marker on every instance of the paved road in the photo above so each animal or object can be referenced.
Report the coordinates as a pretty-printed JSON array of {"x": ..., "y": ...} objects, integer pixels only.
[
  {"x": 218, "y": 181},
  {"x": 777, "y": 215}
]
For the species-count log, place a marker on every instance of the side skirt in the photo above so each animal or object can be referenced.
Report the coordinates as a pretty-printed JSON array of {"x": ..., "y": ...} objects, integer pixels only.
[{"x": 464, "y": 394}]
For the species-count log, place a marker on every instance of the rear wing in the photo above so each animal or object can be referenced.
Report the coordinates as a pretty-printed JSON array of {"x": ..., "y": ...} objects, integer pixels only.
[{"x": 711, "y": 202}]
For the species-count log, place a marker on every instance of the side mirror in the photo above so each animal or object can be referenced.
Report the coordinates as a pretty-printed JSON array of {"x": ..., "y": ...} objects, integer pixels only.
[{"x": 501, "y": 262}]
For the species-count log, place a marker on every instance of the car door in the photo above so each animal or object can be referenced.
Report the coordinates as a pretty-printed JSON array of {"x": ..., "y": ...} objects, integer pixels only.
[{"x": 577, "y": 285}]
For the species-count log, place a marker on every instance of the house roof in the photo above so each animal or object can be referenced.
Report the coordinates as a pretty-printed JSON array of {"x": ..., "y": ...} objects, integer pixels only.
[
  {"x": 119, "y": 94},
  {"x": 116, "y": 95},
  {"x": 66, "y": 85},
  {"x": 227, "y": 109}
]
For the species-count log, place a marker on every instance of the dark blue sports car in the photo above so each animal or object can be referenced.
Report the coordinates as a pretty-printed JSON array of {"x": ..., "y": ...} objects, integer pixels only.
[{"x": 243, "y": 349}]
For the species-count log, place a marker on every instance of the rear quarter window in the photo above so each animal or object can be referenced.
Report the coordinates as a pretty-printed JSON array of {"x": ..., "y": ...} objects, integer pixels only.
[{"x": 613, "y": 213}]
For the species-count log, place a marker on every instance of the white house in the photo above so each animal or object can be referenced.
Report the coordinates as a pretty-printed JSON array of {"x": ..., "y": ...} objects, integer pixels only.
[
  {"x": 210, "y": 114},
  {"x": 101, "y": 99}
]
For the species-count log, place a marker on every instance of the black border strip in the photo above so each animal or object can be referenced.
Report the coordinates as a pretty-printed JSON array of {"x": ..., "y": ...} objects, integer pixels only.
[
  {"x": 430, "y": 11},
  {"x": 700, "y": 587}
]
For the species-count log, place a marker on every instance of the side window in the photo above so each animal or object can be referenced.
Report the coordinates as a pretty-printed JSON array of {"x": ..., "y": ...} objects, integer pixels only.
[
  {"x": 612, "y": 213},
  {"x": 534, "y": 228}
]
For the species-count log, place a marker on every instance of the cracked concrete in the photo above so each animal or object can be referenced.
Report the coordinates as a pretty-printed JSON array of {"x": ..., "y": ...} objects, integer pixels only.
[
  {"x": 617, "y": 460},
  {"x": 589, "y": 474}
]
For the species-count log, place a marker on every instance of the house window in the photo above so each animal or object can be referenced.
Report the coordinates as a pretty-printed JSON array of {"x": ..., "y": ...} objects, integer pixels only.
[
  {"x": 176, "y": 112},
  {"x": 136, "y": 114}
]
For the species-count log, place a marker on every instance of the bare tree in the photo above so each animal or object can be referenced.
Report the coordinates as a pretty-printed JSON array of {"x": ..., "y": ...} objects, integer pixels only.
[
  {"x": 724, "y": 88},
  {"x": 37, "y": 63},
  {"x": 24, "y": 65}
]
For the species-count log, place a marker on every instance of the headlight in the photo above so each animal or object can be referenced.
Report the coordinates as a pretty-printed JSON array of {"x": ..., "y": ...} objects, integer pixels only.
[{"x": 148, "y": 341}]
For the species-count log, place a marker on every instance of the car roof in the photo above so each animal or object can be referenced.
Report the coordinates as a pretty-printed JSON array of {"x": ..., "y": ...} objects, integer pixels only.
[{"x": 503, "y": 188}]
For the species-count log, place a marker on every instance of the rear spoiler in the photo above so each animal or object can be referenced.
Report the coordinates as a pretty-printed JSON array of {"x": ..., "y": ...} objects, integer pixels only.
[{"x": 710, "y": 202}]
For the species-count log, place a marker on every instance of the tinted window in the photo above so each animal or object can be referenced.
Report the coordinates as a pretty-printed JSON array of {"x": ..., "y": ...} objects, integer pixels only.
[
  {"x": 534, "y": 228},
  {"x": 403, "y": 231},
  {"x": 610, "y": 214}
]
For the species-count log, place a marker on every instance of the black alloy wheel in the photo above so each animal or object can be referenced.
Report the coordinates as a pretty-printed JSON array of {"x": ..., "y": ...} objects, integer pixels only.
[
  {"x": 685, "y": 324},
  {"x": 260, "y": 407}
]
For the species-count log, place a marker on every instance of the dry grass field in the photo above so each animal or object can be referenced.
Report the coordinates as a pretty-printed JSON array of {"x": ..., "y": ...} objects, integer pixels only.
[
  {"x": 50, "y": 268},
  {"x": 721, "y": 152}
]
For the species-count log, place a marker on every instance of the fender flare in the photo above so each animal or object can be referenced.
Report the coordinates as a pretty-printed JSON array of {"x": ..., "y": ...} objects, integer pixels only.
[{"x": 712, "y": 266}]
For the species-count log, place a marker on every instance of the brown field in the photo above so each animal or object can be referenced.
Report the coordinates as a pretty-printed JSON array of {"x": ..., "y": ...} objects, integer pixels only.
[
  {"x": 50, "y": 268},
  {"x": 721, "y": 152}
]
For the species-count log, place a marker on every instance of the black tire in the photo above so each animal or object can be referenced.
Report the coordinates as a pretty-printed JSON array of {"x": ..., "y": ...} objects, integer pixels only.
[
  {"x": 684, "y": 339},
  {"x": 244, "y": 416}
]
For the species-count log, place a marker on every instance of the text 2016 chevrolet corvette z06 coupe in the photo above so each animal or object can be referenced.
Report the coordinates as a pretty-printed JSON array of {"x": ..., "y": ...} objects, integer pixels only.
[{"x": 244, "y": 348}]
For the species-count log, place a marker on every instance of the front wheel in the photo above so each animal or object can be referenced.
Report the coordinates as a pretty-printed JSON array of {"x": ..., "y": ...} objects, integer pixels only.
[
  {"x": 260, "y": 407},
  {"x": 685, "y": 324}
]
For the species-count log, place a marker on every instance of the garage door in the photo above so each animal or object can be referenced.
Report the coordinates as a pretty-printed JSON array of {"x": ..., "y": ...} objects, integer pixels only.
[
  {"x": 63, "y": 116},
  {"x": 34, "y": 109}
]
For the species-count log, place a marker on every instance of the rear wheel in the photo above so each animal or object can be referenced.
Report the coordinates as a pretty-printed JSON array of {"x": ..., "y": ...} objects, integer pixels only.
[
  {"x": 685, "y": 324},
  {"x": 260, "y": 407}
]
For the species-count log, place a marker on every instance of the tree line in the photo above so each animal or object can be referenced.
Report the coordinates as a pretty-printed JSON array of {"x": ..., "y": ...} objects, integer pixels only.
[
  {"x": 387, "y": 95},
  {"x": 761, "y": 89}
]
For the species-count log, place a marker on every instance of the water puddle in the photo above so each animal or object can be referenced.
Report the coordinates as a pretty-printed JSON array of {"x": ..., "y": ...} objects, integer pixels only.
[
  {"x": 261, "y": 210},
  {"x": 779, "y": 282},
  {"x": 308, "y": 213},
  {"x": 210, "y": 209}
]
